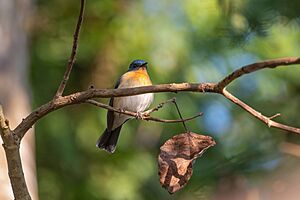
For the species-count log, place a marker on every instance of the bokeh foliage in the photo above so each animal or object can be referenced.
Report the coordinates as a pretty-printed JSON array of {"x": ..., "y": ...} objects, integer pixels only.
[{"x": 184, "y": 41}]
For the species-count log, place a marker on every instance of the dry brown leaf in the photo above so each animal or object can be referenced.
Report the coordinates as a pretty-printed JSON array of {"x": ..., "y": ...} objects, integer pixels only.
[{"x": 177, "y": 156}]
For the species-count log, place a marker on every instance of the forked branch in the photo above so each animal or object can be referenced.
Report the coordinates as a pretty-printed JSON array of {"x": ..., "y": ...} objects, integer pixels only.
[
  {"x": 11, "y": 147},
  {"x": 144, "y": 115},
  {"x": 12, "y": 139},
  {"x": 267, "y": 120},
  {"x": 255, "y": 67}
]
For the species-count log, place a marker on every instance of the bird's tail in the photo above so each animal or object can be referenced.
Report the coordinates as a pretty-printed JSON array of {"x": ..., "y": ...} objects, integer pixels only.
[{"x": 108, "y": 140}]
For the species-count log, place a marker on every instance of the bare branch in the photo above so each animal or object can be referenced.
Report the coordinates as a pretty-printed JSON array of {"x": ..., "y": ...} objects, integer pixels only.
[
  {"x": 256, "y": 66},
  {"x": 81, "y": 97},
  {"x": 267, "y": 120},
  {"x": 274, "y": 116},
  {"x": 71, "y": 60},
  {"x": 144, "y": 114},
  {"x": 4, "y": 129},
  {"x": 12, "y": 152},
  {"x": 12, "y": 139},
  {"x": 148, "y": 112},
  {"x": 174, "y": 120}
]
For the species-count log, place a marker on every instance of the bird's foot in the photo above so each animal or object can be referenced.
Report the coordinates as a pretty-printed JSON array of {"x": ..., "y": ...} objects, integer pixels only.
[
  {"x": 122, "y": 110},
  {"x": 141, "y": 115}
]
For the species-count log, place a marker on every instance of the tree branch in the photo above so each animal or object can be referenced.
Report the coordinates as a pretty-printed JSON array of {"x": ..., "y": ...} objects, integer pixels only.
[
  {"x": 148, "y": 112},
  {"x": 81, "y": 97},
  {"x": 11, "y": 139},
  {"x": 71, "y": 60},
  {"x": 145, "y": 115},
  {"x": 267, "y": 120},
  {"x": 12, "y": 152},
  {"x": 256, "y": 66}
]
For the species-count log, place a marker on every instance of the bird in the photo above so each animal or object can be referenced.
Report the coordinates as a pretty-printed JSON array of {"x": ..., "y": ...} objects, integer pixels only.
[{"x": 136, "y": 75}]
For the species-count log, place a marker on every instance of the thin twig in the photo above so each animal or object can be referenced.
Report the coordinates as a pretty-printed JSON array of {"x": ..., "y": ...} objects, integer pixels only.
[
  {"x": 71, "y": 60},
  {"x": 174, "y": 120},
  {"x": 144, "y": 114},
  {"x": 266, "y": 120},
  {"x": 177, "y": 108},
  {"x": 148, "y": 112},
  {"x": 274, "y": 116}
]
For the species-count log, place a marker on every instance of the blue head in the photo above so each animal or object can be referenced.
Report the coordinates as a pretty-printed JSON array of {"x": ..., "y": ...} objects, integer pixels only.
[{"x": 136, "y": 64}]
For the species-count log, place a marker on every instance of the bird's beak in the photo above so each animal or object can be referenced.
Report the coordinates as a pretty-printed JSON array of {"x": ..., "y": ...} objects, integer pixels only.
[{"x": 144, "y": 65}]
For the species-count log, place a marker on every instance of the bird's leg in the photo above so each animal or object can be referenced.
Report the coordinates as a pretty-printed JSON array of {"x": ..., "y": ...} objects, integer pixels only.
[
  {"x": 146, "y": 113},
  {"x": 140, "y": 115},
  {"x": 121, "y": 110}
]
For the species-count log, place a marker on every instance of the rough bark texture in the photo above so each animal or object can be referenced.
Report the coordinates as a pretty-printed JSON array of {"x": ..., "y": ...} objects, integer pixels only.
[
  {"x": 11, "y": 146},
  {"x": 14, "y": 17}
]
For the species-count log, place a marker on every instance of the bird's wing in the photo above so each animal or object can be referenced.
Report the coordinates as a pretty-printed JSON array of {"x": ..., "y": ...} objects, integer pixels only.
[{"x": 110, "y": 114}]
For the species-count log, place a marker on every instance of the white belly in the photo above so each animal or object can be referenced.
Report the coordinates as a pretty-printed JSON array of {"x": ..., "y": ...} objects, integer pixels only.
[{"x": 137, "y": 103}]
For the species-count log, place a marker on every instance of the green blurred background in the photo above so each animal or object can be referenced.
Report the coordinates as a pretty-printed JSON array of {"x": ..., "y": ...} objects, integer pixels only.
[{"x": 183, "y": 41}]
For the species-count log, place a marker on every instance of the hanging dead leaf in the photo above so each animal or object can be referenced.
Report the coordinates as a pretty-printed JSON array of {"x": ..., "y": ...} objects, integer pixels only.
[{"x": 177, "y": 156}]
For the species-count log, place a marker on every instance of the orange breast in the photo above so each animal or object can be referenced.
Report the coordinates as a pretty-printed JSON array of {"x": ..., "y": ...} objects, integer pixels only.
[{"x": 135, "y": 78}]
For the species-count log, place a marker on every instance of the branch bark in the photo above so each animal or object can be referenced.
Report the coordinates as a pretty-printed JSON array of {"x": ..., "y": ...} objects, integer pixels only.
[
  {"x": 267, "y": 120},
  {"x": 11, "y": 147},
  {"x": 256, "y": 66},
  {"x": 144, "y": 115},
  {"x": 71, "y": 61},
  {"x": 81, "y": 97}
]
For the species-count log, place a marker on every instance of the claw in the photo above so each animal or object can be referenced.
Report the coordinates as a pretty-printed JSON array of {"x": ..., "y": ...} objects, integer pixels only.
[
  {"x": 121, "y": 110},
  {"x": 140, "y": 115}
]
